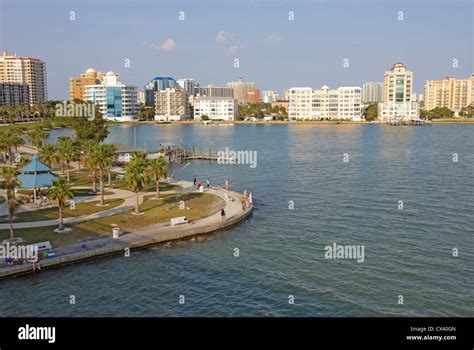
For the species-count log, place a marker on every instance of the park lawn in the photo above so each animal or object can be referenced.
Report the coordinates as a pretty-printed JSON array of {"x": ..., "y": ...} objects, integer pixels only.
[
  {"x": 77, "y": 192},
  {"x": 52, "y": 213},
  {"x": 151, "y": 187},
  {"x": 158, "y": 211},
  {"x": 155, "y": 211}
]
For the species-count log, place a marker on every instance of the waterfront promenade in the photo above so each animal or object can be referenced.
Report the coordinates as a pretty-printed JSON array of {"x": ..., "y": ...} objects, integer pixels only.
[{"x": 151, "y": 235}]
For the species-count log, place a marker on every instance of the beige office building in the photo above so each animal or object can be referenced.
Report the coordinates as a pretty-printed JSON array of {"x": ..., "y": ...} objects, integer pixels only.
[
  {"x": 452, "y": 93},
  {"x": 171, "y": 105},
  {"x": 245, "y": 91},
  {"x": 25, "y": 70},
  {"x": 77, "y": 85}
]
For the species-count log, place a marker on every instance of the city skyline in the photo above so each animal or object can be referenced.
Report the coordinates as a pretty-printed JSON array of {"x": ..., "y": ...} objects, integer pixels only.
[{"x": 273, "y": 51}]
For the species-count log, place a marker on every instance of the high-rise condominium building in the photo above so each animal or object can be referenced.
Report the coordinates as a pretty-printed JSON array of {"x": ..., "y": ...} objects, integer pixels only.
[
  {"x": 372, "y": 92},
  {"x": 245, "y": 91},
  {"x": 307, "y": 103},
  {"x": 14, "y": 94},
  {"x": 116, "y": 101},
  {"x": 157, "y": 84},
  {"x": 397, "y": 94},
  {"x": 25, "y": 70},
  {"x": 187, "y": 85},
  {"x": 77, "y": 85},
  {"x": 270, "y": 96},
  {"x": 224, "y": 108},
  {"x": 452, "y": 93},
  {"x": 171, "y": 105}
]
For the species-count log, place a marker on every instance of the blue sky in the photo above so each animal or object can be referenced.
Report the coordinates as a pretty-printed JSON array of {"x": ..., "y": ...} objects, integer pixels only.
[{"x": 274, "y": 52}]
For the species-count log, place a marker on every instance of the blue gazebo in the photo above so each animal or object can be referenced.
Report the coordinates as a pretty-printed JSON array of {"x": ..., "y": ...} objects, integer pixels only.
[{"x": 36, "y": 174}]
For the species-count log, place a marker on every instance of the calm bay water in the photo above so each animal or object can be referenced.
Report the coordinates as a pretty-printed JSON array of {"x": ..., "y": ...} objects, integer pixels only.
[{"x": 407, "y": 252}]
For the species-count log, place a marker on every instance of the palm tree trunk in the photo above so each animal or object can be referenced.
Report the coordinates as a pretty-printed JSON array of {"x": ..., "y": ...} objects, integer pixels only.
[
  {"x": 137, "y": 211},
  {"x": 94, "y": 188},
  {"x": 62, "y": 167},
  {"x": 109, "y": 176},
  {"x": 67, "y": 171},
  {"x": 12, "y": 236},
  {"x": 158, "y": 189},
  {"x": 61, "y": 224},
  {"x": 101, "y": 182}
]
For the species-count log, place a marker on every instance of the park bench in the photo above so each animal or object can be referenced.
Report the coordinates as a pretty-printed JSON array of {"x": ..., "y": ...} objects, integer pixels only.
[{"x": 179, "y": 220}]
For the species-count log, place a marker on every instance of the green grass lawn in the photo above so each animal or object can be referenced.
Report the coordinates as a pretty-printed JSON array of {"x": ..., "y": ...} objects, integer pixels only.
[
  {"x": 155, "y": 211},
  {"x": 121, "y": 184},
  {"x": 52, "y": 213}
]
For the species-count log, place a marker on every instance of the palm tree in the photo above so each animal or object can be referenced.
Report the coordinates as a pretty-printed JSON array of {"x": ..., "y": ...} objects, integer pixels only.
[
  {"x": 12, "y": 205},
  {"x": 159, "y": 169},
  {"x": 12, "y": 141},
  {"x": 37, "y": 135},
  {"x": 111, "y": 152},
  {"x": 60, "y": 192},
  {"x": 10, "y": 180},
  {"x": 67, "y": 152},
  {"x": 102, "y": 158},
  {"x": 137, "y": 177},
  {"x": 49, "y": 154}
]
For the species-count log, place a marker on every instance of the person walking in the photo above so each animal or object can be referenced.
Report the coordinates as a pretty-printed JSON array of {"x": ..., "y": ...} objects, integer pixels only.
[
  {"x": 223, "y": 216},
  {"x": 207, "y": 183},
  {"x": 194, "y": 180}
]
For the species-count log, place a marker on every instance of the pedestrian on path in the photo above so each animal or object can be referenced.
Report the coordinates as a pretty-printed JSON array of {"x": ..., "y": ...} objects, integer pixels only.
[
  {"x": 223, "y": 216},
  {"x": 207, "y": 183},
  {"x": 194, "y": 180}
]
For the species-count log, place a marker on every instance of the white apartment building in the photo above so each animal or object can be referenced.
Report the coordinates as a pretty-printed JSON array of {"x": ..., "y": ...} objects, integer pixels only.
[
  {"x": 397, "y": 95},
  {"x": 372, "y": 92},
  {"x": 116, "y": 101},
  {"x": 224, "y": 108},
  {"x": 306, "y": 103},
  {"x": 171, "y": 105},
  {"x": 270, "y": 96}
]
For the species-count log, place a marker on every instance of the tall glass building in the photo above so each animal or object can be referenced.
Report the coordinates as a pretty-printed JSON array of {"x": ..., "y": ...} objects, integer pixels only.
[
  {"x": 116, "y": 101},
  {"x": 157, "y": 84}
]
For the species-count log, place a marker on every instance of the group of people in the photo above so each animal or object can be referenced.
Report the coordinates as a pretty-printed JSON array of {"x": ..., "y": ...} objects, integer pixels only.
[
  {"x": 246, "y": 200},
  {"x": 199, "y": 183}
]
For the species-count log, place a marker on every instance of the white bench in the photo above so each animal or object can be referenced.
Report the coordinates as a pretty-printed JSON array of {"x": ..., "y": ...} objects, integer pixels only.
[
  {"x": 179, "y": 220},
  {"x": 41, "y": 246}
]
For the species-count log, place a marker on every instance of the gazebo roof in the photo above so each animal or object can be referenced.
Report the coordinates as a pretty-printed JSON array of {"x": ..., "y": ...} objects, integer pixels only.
[
  {"x": 35, "y": 166},
  {"x": 37, "y": 180}
]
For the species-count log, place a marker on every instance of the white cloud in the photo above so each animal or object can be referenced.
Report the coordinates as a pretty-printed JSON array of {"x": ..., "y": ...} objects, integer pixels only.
[
  {"x": 224, "y": 38},
  {"x": 167, "y": 46},
  {"x": 273, "y": 39}
]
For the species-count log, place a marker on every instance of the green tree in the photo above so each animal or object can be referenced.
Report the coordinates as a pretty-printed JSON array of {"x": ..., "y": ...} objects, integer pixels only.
[
  {"x": 102, "y": 157},
  {"x": 67, "y": 152},
  {"x": 371, "y": 112},
  {"x": 440, "y": 112},
  {"x": 10, "y": 180},
  {"x": 37, "y": 136},
  {"x": 60, "y": 192},
  {"x": 95, "y": 130},
  {"x": 49, "y": 154},
  {"x": 204, "y": 117},
  {"x": 159, "y": 169},
  {"x": 137, "y": 177}
]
